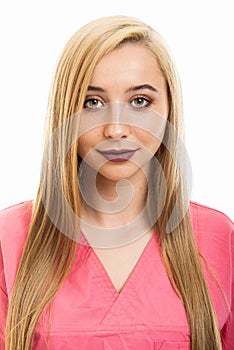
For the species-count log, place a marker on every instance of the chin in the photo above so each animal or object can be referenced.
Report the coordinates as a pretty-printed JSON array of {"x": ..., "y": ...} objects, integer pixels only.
[{"x": 119, "y": 171}]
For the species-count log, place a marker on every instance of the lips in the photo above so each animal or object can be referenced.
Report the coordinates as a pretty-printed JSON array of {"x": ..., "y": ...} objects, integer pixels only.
[{"x": 118, "y": 155}]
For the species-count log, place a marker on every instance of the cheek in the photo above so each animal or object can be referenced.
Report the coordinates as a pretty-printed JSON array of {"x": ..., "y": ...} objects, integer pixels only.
[
  {"x": 83, "y": 145},
  {"x": 87, "y": 142},
  {"x": 154, "y": 145},
  {"x": 150, "y": 142}
]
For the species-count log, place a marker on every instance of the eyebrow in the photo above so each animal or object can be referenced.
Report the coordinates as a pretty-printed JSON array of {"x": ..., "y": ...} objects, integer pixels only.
[
  {"x": 132, "y": 88},
  {"x": 95, "y": 88},
  {"x": 142, "y": 87}
]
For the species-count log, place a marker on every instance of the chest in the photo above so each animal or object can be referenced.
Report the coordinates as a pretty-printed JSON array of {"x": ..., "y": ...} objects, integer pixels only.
[
  {"x": 119, "y": 263},
  {"x": 90, "y": 312}
]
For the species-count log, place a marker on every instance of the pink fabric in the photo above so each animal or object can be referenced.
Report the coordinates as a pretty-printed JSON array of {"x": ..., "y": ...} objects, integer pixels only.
[{"x": 88, "y": 313}]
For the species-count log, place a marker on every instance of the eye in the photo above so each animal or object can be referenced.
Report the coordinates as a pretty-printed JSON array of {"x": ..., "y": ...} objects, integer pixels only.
[
  {"x": 93, "y": 103},
  {"x": 140, "y": 102}
]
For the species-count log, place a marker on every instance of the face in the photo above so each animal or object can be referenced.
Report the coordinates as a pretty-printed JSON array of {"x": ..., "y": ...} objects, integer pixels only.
[{"x": 128, "y": 78}]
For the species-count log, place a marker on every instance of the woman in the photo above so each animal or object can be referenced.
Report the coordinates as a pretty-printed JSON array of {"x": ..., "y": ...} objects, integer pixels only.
[{"x": 115, "y": 258}]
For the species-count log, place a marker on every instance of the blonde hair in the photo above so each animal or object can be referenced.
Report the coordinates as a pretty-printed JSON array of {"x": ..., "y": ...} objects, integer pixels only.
[{"x": 48, "y": 254}]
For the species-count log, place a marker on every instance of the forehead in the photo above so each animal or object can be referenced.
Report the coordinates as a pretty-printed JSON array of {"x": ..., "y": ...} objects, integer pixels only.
[{"x": 130, "y": 63}]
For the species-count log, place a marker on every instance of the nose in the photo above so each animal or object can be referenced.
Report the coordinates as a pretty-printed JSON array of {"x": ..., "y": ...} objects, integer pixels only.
[
  {"x": 115, "y": 128},
  {"x": 116, "y": 131}
]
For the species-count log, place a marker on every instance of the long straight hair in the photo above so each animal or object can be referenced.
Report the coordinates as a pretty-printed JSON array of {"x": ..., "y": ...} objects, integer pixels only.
[{"x": 48, "y": 254}]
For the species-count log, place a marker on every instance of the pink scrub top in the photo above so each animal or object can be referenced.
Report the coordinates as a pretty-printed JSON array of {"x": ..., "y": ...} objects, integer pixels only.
[{"x": 89, "y": 314}]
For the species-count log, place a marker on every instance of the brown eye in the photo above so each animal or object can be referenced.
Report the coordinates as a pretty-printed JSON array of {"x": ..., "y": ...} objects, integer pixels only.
[{"x": 93, "y": 103}]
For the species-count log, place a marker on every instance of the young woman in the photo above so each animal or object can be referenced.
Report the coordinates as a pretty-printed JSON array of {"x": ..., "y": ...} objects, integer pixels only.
[{"x": 111, "y": 254}]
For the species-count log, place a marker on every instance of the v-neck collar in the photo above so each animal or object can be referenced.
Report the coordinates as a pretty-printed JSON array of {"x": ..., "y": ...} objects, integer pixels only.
[
  {"x": 99, "y": 268},
  {"x": 117, "y": 302}
]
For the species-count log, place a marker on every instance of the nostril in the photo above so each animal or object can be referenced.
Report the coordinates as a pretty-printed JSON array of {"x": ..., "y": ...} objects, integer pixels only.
[{"x": 116, "y": 131}]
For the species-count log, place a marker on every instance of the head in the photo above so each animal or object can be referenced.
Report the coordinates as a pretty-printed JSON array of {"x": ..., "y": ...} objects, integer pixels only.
[{"x": 84, "y": 58}]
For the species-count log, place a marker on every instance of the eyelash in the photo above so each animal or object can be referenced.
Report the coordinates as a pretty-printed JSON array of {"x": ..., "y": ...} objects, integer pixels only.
[
  {"x": 147, "y": 100},
  {"x": 89, "y": 100}
]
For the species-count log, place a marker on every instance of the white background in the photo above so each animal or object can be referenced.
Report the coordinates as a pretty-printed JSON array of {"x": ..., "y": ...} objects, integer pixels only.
[{"x": 200, "y": 36}]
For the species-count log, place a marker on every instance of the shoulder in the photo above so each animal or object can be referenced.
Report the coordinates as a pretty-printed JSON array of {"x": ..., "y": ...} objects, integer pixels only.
[
  {"x": 16, "y": 210},
  {"x": 214, "y": 235},
  {"x": 210, "y": 222},
  {"x": 14, "y": 227},
  {"x": 14, "y": 219}
]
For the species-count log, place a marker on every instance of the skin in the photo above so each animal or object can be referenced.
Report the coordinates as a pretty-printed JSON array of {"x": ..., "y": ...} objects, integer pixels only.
[{"x": 117, "y": 78}]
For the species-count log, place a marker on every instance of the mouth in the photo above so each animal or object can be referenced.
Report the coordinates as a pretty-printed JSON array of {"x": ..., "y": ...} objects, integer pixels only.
[{"x": 118, "y": 155}]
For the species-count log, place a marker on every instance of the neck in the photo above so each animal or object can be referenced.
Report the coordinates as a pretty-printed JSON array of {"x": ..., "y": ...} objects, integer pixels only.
[{"x": 114, "y": 203}]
